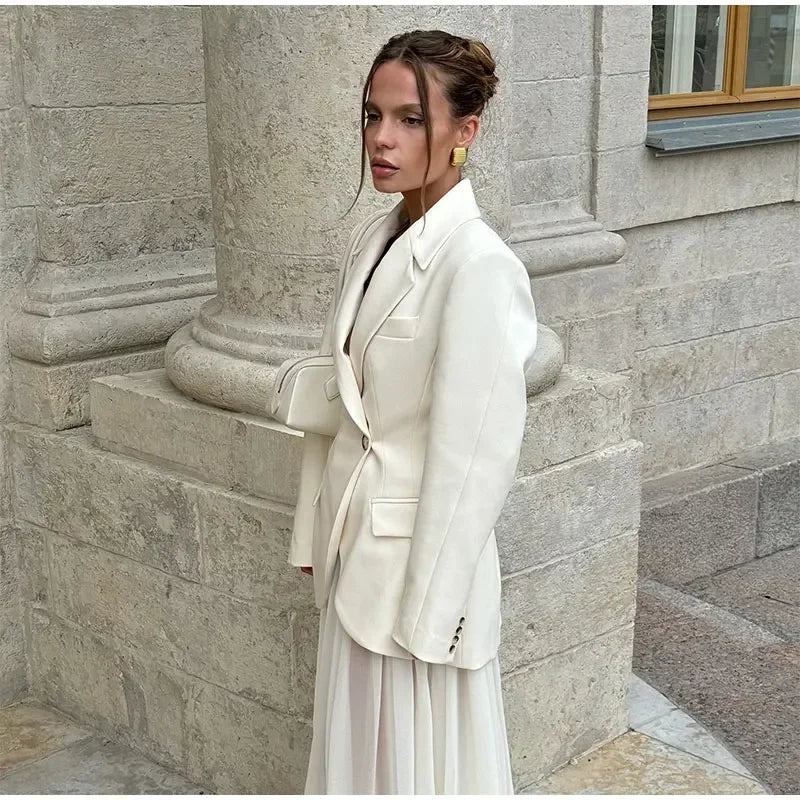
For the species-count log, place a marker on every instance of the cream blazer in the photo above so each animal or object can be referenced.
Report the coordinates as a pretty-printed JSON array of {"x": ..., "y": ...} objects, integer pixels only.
[{"x": 433, "y": 411}]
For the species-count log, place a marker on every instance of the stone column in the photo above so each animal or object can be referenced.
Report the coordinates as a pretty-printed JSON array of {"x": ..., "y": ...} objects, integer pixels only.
[{"x": 283, "y": 90}]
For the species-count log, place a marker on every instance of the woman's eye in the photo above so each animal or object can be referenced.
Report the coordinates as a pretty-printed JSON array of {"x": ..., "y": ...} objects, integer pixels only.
[{"x": 414, "y": 120}]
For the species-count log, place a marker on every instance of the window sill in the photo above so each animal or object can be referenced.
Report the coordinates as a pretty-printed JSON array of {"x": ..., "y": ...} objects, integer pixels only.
[{"x": 699, "y": 134}]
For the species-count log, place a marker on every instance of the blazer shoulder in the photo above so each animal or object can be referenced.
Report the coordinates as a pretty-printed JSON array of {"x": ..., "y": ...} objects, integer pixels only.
[{"x": 482, "y": 248}]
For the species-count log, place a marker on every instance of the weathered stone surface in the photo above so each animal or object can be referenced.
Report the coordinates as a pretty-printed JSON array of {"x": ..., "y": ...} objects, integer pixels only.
[
  {"x": 624, "y": 41},
  {"x": 697, "y": 522},
  {"x": 786, "y": 411},
  {"x": 541, "y": 180},
  {"x": 584, "y": 411},
  {"x": 567, "y": 704},
  {"x": 581, "y": 293},
  {"x": 557, "y": 117},
  {"x": 603, "y": 342},
  {"x": 245, "y": 545},
  {"x": 704, "y": 428},
  {"x": 571, "y": 506},
  {"x": 733, "y": 683},
  {"x": 563, "y": 603},
  {"x": 144, "y": 415},
  {"x": 10, "y": 76},
  {"x": 765, "y": 591},
  {"x": 13, "y": 672},
  {"x": 57, "y": 397},
  {"x": 76, "y": 672},
  {"x": 16, "y": 187},
  {"x": 669, "y": 314},
  {"x": 157, "y": 56},
  {"x": 614, "y": 92},
  {"x": 673, "y": 371},
  {"x": 30, "y": 731},
  {"x": 271, "y": 749},
  {"x": 97, "y": 233},
  {"x": 245, "y": 647},
  {"x": 34, "y": 578},
  {"x": 634, "y": 188},
  {"x": 552, "y": 42},
  {"x": 81, "y": 157},
  {"x": 778, "y": 472},
  {"x": 65, "y": 483},
  {"x": 636, "y": 763},
  {"x": 768, "y": 349}
]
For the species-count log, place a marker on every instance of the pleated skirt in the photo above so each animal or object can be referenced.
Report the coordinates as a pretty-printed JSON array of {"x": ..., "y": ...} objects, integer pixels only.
[{"x": 386, "y": 725}]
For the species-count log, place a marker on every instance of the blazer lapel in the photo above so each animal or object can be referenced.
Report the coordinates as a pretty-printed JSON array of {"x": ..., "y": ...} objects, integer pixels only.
[{"x": 391, "y": 282}]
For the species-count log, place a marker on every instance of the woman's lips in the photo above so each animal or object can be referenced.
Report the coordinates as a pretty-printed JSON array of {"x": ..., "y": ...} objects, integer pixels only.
[{"x": 379, "y": 171}]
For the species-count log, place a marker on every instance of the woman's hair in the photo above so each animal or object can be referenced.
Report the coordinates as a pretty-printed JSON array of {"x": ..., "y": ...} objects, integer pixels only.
[{"x": 464, "y": 68}]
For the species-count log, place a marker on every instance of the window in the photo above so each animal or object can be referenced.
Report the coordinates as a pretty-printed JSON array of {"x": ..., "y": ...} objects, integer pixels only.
[{"x": 708, "y": 60}]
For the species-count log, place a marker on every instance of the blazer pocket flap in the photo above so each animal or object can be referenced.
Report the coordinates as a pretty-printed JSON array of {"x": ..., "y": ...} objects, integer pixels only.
[
  {"x": 399, "y": 327},
  {"x": 393, "y": 516},
  {"x": 331, "y": 387}
]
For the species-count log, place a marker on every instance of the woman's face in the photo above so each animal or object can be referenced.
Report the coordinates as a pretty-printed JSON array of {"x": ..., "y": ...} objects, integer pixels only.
[{"x": 395, "y": 129}]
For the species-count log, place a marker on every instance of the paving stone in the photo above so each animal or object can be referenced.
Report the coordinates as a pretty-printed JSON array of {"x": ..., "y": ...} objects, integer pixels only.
[
  {"x": 765, "y": 591},
  {"x": 744, "y": 692},
  {"x": 636, "y": 764},
  {"x": 29, "y": 731},
  {"x": 96, "y": 766}
]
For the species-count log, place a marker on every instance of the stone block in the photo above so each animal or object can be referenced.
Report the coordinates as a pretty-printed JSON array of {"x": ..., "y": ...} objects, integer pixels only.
[
  {"x": 624, "y": 44},
  {"x": 665, "y": 254},
  {"x": 622, "y": 110},
  {"x": 604, "y": 342},
  {"x": 110, "y": 153},
  {"x": 580, "y": 293},
  {"x": 674, "y": 371},
  {"x": 557, "y": 118},
  {"x": 786, "y": 412},
  {"x": 777, "y": 469},
  {"x": 552, "y": 42},
  {"x": 16, "y": 160},
  {"x": 56, "y": 397},
  {"x": 574, "y": 599},
  {"x": 748, "y": 299},
  {"x": 237, "y": 746},
  {"x": 111, "y": 231},
  {"x": 583, "y": 411},
  {"x": 567, "y": 704},
  {"x": 245, "y": 544},
  {"x": 749, "y": 239},
  {"x": 146, "y": 416},
  {"x": 570, "y": 507},
  {"x": 65, "y": 483},
  {"x": 244, "y": 647},
  {"x": 634, "y": 187},
  {"x": 305, "y": 639},
  {"x": 541, "y": 180},
  {"x": 704, "y": 428},
  {"x": 34, "y": 578},
  {"x": 10, "y": 76},
  {"x": 697, "y": 522},
  {"x": 77, "y": 673},
  {"x": 669, "y": 314},
  {"x": 768, "y": 349},
  {"x": 156, "y": 57}
]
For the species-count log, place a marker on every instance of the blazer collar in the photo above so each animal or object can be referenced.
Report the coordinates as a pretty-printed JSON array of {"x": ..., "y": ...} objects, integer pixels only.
[
  {"x": 453, "y": 208},
  {"x": 414, "y": 248}
]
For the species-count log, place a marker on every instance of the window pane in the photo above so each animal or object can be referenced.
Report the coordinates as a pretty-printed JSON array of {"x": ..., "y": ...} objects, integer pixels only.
[
  {"x": 773, "y": 47},
  {"x": 687, "y": 51}
]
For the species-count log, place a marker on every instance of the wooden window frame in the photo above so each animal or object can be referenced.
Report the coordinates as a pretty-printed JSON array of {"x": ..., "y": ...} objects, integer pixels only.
[{"x": 733, "y": 98}]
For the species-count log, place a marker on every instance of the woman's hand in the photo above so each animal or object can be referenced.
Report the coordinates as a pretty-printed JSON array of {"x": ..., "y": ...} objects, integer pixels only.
[{"x": 307, "y": 570}]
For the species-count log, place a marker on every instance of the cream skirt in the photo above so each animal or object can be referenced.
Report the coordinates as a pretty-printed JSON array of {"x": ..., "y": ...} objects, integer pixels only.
[{"x": 386, "y": 725}]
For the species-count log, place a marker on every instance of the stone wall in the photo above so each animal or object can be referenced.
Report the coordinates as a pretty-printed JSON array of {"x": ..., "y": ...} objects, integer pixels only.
[
  {"x": 703, "y": 311},
  {"x": 105, "y": 235}
]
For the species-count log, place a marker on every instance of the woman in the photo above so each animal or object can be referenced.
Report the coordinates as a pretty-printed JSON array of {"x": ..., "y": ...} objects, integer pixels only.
[{"x": 432, "y": 326}]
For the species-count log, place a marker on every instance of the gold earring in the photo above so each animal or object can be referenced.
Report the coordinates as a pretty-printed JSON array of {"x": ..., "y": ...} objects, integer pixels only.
[{"x": 458, "y": 156}]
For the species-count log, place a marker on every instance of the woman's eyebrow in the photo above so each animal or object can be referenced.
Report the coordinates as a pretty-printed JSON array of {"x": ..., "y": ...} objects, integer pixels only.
[{"x": 409, "y": 106}]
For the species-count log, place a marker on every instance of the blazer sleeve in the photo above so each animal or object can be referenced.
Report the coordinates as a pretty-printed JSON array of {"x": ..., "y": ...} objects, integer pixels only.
[
  {"x": 315, "y": 446},
  {"x": 487, "y": 336}
]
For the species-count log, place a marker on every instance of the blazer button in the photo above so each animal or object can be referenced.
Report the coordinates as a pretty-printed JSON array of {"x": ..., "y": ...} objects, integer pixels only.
[
  {"x": 458, "y": 629},
  {"x": 460, "y": 622},
  {"x": 452, "y": 647},
  {"x": 455, "y": 640},
  {"x": 364, "y": 441}
]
